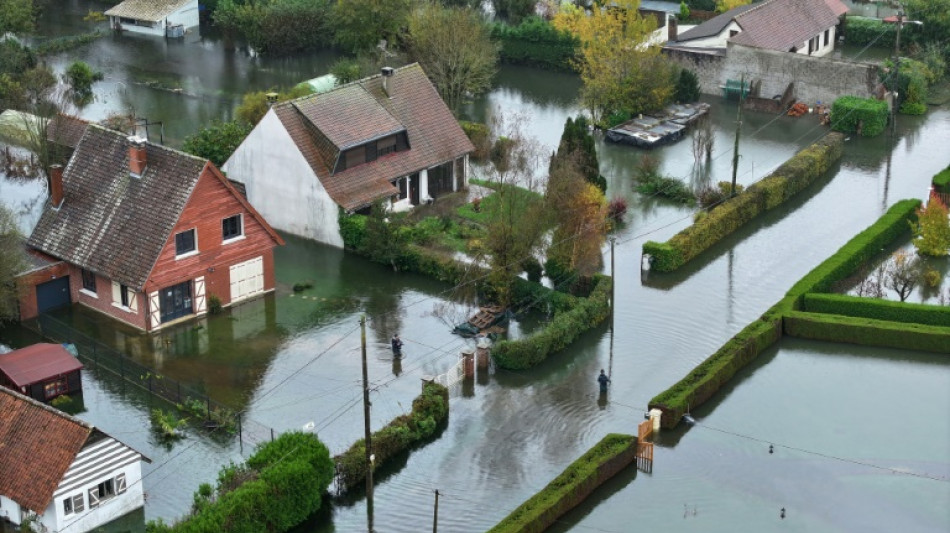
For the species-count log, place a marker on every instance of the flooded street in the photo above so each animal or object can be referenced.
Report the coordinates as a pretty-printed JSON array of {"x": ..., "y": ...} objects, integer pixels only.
[{"x": 847, "y": 422}]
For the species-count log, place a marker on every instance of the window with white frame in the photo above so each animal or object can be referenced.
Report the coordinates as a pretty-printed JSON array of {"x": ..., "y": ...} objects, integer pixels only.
[{"x": 73, "y": 504}]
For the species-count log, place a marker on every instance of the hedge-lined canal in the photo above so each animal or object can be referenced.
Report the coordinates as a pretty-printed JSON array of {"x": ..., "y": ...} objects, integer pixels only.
[{"x": 509, "y": 436}]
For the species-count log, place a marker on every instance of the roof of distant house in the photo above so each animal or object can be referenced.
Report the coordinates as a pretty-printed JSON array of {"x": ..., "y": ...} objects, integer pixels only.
[
  {"x": 323, "y": 125},
  {"x": 66, "y": 130},
  {"x": 37, "y": 363},
  {"x": 773, "y": 24},
  {"x": 150, "y": 10},
  {"x": 112, "y": 223}
]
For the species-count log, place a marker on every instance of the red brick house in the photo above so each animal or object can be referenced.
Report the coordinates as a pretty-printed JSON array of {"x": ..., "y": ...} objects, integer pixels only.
[{"x": 145, "y": 234}]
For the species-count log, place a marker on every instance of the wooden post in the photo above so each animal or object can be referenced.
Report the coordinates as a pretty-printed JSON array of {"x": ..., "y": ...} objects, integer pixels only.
[
  {"x": 435, "y": 515},
  {"x": 366, "y": 428},
  {"x": 735, "y": 152}
]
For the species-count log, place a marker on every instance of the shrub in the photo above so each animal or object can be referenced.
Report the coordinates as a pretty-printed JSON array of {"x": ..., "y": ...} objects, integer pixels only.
[
  {"x": 858, "y": 307},
  {"x": 214, "y": 304},
  {"x": 932, "y": 229},
  {"x": 429, "y": 410},
  {"x": 352, "y": 230},
  {"x": 604, "y": 460},
  {"x": 683, "y": 14},
  {"x": 480, "y": 136},
  {"x": 932, "y": 279},
  {"x": 217, "y": 141},
  {"x": 866, "y": 116},
  {"x": 870, "y": 31},
  {"x": 536, "y": 42},
  {"x": 786, "y": 181},
  {"x": 533, "y": 269},
  {"x": 687, "y": 84},
  {"x": 561, "y": 331},
  {"x": 868, "y": 331},
  {"x": 665, "y": 187},
  {"x": 941, "y": 181},
  {"x": 617, "y": 208},
  {"x": 80, "y": 77}
]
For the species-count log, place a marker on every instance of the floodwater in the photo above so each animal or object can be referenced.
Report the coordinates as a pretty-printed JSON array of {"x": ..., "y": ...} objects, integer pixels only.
[{"x": 848, "y": 423}]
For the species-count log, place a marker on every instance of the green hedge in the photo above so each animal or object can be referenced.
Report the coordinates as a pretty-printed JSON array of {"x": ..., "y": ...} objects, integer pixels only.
[
  {"x": 868, "y": 331},
  {"x": 707, "y": 378},
  {"x": 786, "y": 181},
  {"x": 863, "y": 31},
  {"x": 847, "y": 112},
  {"x": 280, "y": 486},
  {"x": 561, "y": 331},
  {"x": 429, "y": 410},
  {"x": 942, "y": 181},
  {"x": 854, "y": 306},
  {"x": 607, "y": 458},
  {"x": 854, "y": 253},
  {"x": 536, "y": 42}
]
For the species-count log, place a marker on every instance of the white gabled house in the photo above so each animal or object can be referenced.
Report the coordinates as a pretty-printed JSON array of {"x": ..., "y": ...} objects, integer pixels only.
[
  {"x": 388, "y": 136},
  {"x": 170, "y": 18},
  {"x": 64, "y": 473}
]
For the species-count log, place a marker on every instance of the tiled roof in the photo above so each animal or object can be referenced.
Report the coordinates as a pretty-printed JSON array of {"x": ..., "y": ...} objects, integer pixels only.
[
  {"x": 412, "y": 102},
  {"x": 714, "y": 25},
  {"x": 837, "y": 7},
  {"x": 151, "y": 10},
  {"x": 782, "y": 24},
  {"x": 37, "y": 363},
  {"x": 37, "y": 445},
  {"x": 111, "y": 223},
  {"x": 66, "y": 130}
]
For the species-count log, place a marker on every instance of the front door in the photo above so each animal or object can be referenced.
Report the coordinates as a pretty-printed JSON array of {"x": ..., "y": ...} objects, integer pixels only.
[
  {"x": 175, "y": 301},
  {"x": 52, "y": 295},
  {"x": 414, "y": 189}
]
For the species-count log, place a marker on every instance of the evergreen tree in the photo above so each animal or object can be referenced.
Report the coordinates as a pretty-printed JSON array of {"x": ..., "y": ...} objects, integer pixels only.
[{"x": 577, "y": 143}]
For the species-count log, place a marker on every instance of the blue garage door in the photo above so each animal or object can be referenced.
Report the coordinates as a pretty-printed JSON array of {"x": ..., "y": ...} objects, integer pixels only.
[{"x": 52, "y": 295}]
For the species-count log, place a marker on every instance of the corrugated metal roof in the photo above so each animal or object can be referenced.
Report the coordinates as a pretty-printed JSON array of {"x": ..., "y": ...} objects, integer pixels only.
[
  {"x": 37, "y": 363},
  {"x": 150, "y": 10}
]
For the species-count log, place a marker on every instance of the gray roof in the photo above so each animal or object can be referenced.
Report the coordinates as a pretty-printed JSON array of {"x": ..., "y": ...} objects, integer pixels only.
[
  {"x": 150, "y": 10},
  {"x": 110, "y": 222},
  {"x": 714, "y": 25}
]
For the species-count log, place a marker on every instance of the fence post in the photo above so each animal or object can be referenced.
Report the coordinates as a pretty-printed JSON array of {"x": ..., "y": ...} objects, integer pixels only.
[
  {"x": 240, "y": 436},
  {"x": 150, "y": 384},
  {"x": 121, "y": 368},
  {"x": 272, "y": 434},
  {"x": 179, "y": 390},
  {"x": 208, "y": 403}
]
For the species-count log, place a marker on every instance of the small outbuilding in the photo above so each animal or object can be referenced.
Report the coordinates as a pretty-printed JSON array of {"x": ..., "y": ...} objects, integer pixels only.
[
  {"x": 42, "y": 371},
  {"x": 168, "y": 18}
]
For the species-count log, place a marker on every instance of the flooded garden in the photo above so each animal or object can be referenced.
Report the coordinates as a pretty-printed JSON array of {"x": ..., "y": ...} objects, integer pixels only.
[{"x": 859, "y": 436}]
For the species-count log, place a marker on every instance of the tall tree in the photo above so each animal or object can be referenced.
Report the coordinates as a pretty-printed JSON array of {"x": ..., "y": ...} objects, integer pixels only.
[
  {"x": 12, "y": 263},
  {"x": 359, "y": 25},
  {"x": 622, "y": 73},
  {"x": 932, "y": 231},
  {"x": 513, "y": 10},
  {"x": 581, "y": 213},
  {"x": 577, "y": 145},
  {"x": 455, "y": 48},
  {"x": 217, "y": 141},
  {"x": 16, "y": 16}
]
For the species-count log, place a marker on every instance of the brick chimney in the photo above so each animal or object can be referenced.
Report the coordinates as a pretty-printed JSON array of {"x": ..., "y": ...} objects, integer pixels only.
[
  {"x": 56, "y": 185},
  {"x": 138, "y": 159},
  {"x": 672, "y": 29}
]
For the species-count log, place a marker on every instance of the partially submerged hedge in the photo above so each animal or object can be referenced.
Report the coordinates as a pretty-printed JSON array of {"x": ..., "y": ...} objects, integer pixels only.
[
  {"x": 878, "y": 309},
  {"x": 606, "y": 459},
  {"x": 849, "y": 113},
  {"x": 787, "y": 180},
  {"x": 941, "y": 181},
  {"x": 868, "y": 331},
  {"x": 279, "y": 487},
  {"x": 429, "y": 410},
  {"x": 536, "y": 42},
  {"x": 561, "y": 331}
]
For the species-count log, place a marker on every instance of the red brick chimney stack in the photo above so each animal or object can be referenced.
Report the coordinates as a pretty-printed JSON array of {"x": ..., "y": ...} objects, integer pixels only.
[
  {"x": 138, "y": 159},
  {"x": 56, "y": 185}
]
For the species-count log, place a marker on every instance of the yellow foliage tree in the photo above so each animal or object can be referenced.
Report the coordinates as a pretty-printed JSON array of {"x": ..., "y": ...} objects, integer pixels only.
[
  {"x": 725, "y": 5},
  {"x": 622, "y": 73}
]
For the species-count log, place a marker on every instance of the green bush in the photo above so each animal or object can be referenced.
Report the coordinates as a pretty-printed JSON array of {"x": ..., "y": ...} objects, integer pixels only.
[
  {"x": 281, "y": 484},
  {"x": 870, "y": 31},
  {"x": 941, "y": 181},
  {"x": 217, "y": 141},
  {"x": 352, "y": 230},
  {"x": 854, "y": 306},
  {"x": 786, "y": 181},
  {"x": 868, "y": 331},
  {"x": 687, "y": 84},
  {"x": 848, "y": 113},
  {"x": 561, "y": 331},
  {"x": 535, "y": 42},
  {"x": 604, "y": 460},
  {"x": 429, "y": 411},
  {"x": 664, "y": 187},
  {"x": 481, "y": 138}
]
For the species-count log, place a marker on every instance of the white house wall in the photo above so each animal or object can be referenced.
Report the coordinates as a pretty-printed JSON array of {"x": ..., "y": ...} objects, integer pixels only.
[
  {"x": 187, "y": 15},
  {"x": 9, "y": 510},
  {"x": 158, "y": 29},
  {"x": 96, "y": 463},
  {"x": 281, "y": 185}
]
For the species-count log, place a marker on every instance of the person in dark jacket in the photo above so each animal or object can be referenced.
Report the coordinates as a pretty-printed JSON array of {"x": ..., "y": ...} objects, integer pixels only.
[
  {"x": 397, "y": 345},
  {"x": 603, "y": 380}
]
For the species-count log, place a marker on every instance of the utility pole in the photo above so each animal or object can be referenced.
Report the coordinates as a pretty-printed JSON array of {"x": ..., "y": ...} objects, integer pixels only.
[
  {"x": 735, "y": 153},
  {"x": 897, "y": 69},
  {"x": 369, "y": 437},
  {"x": 613, "y": 276},
  {"x": 435, "y": 516}
]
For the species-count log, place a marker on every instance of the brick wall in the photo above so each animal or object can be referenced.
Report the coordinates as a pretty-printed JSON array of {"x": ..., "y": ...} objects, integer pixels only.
[{"x": 27, "y": 285}]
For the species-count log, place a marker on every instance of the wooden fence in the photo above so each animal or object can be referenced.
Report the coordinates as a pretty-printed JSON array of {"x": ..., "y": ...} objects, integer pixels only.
[{"x": 644, "y": 446}]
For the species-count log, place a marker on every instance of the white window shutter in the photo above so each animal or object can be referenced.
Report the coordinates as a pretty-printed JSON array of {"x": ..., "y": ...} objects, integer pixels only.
[
  {"x": 133, "y": 300},
  {"x": 154, "y": 309},
  {"x": 116, "y": 293},
  {"x": 120, "y": 484},
  {"x": 94, "y": 497},
  {"x": 200, "y": 304},
  {"x": 78, "y": 506}
]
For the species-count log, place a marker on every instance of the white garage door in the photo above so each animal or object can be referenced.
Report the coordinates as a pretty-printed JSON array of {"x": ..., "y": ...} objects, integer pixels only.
[{"x": 247, "y": 279}]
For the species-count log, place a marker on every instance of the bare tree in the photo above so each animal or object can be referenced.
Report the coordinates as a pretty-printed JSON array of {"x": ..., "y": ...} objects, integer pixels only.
[
  {"x": 903, "y": 273},
  {"x": 703, "y": 139}
]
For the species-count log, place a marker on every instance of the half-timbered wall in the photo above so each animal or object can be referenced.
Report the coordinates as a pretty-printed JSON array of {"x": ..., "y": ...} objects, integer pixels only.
[{"x": 106, "y": 460}]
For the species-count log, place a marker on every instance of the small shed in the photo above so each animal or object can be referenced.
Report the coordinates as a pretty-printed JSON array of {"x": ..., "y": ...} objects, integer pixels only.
[{"x": 42, "y": 371}]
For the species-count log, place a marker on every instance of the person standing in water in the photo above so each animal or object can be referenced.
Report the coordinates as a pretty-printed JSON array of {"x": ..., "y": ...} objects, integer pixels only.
[
  {"x": 397, "y": 345},
  {"x": 603, "y": 380}
]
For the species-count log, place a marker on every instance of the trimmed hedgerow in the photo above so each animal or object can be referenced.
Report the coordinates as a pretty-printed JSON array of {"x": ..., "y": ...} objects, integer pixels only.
[
  {"x": 561, "y": 331},
  {"x": 941, "y": 181},
  {"x": 856, "y": 252},
  {"x": 352, "y": 229},
  {"x": 786, "y": 181},
  {"x": 864, "y": 30},
  {"x": 536, "y": 42},
  {"x": 603, "y": 461},
  {"x": 278, "y": 487},
  {"x": 868, "y": 331},
  {"x": 429, "y": 411},
  {"x": 848, "y": 113},
  {"x": 858, "y": 307}
]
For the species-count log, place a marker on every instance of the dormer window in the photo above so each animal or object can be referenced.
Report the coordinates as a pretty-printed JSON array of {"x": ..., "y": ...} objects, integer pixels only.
[{"x": 366, "y": 153}]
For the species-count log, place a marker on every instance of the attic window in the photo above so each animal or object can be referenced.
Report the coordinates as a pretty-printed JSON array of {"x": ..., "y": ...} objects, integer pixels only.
[{"x": 733, "y": 33}]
